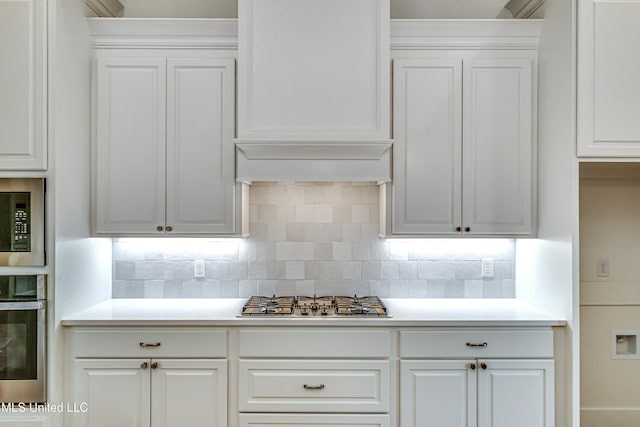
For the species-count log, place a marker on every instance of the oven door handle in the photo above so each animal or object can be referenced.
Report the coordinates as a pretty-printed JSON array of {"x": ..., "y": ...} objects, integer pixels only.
[{"x": 21, "y": 305}]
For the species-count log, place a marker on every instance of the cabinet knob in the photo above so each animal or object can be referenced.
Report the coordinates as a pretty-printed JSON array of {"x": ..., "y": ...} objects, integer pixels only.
[
  {"x": 159, "y": 228},
  {"x": 467, "y": 229},
  {"x": 169, "y": 228},
  {"x": 144, "y": 365},
  {"x": 483, "y": 365},
  {"x": 154, "y": 365},
  {"x": 458, "y": 229},
  {"x": 471, "y": 366}
]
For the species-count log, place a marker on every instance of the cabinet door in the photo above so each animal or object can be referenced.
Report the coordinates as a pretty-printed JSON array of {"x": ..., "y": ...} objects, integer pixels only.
[
  {"x": 516, "y": 393},
  {"x": 200, "y": 148},
  {"x": 498, "y": 155},
  {"x": 608, "y": 84},
  {"x": 438, "y": 393},
  {"x": 427, "y": 147},
  {"x": 116, "y": 392},
  {"x": 129, "y": 157},
  {"x": 189, "y": 393},
  {"x": 23, "y": 85}
]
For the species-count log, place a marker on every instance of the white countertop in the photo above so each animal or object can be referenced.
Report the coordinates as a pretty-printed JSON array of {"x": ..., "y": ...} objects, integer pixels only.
[{"x": 224, "y": 312}]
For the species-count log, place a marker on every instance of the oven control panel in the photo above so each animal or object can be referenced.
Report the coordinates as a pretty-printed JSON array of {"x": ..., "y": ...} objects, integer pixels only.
[{"x": 21, "y": 238}]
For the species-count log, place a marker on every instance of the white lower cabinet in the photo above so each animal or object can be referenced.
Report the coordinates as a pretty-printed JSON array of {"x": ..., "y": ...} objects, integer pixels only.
[
  {"x": 137, "y": 391},
  {"x": 476, "y": 392},
  {"x": 484, "y": 393},
  {"x": 310, "y": 377}
]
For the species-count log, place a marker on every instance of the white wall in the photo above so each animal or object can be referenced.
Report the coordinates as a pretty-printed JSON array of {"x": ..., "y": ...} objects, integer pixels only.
[
  {"x": 546, "y": 268},
  {"x": 82, "y": 269}
]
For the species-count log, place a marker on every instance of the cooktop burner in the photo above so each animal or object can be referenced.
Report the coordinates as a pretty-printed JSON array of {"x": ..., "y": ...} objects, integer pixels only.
[{"x": 326, "y": 306}]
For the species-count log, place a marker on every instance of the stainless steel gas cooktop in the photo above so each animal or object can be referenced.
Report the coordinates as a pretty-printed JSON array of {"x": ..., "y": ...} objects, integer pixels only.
[{"x": 325, "y": 306}]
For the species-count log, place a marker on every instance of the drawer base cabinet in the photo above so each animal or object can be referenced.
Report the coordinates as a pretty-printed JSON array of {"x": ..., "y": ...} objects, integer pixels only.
[
  {"x": 313, "y": 420},
  {"x": 151, "y": 392},
  {"x": 483, "y": 393}
]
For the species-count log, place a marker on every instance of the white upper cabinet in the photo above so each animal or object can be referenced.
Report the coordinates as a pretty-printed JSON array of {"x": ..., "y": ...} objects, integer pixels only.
[
  {"x": 463, "y": 145},
  {"x": 164, "y": 157},
  {"x": 313, "y": 70},
  {"x": 498, "y": 151},
  {"x": 23, "y": 120},
  {"x": 129, "y": 158},
  {"x": 608, "y": 84}
]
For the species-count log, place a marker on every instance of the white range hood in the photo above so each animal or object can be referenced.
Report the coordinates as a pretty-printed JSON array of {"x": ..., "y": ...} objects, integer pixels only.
[{"x": 313, "y": 90}]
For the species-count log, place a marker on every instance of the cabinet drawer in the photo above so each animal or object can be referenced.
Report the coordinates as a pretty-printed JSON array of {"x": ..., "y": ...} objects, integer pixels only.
[
  {"x": 148, "y": 342},
  {"x": 314, "y": 386},
  {"x": 313, "y": 420},
  {"x": 315, "y": 343},
  {"x": 531, "y": 343}
]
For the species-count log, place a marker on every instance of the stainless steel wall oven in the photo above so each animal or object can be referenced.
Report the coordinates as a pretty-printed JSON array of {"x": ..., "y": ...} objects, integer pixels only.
[
  {"x": 22, "y": 221},
  {"x": 22, "y": 338}
]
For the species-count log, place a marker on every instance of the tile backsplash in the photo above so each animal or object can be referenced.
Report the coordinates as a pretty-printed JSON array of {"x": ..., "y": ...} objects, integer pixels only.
[{"x": 313, "y": 238}]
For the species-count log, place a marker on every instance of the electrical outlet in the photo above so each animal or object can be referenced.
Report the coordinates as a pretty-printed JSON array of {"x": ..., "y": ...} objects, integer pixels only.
[
  {"x": 487, "y": 267},
  {"x": 198, "y": 268},
  {"x": 603, "y": 268}
]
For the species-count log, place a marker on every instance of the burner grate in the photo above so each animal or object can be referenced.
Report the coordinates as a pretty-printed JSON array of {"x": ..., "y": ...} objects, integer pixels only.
[{"x": 324, "y": 306}]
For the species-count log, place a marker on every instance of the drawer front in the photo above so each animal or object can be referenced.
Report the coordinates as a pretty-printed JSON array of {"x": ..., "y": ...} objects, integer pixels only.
[
  {"x": 313, "y": 420},
  {"x": 527, "y": 343},
  {"x": 315, "y": 343},
  {"x": 313, "y": 386},
  {"x": 149, "y": 342}
]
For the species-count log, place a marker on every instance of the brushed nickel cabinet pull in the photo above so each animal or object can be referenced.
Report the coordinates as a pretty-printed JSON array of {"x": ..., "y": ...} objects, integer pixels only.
[
  {"x": 313, "y": 387},
  {"x": 155, "y": 344},
  {"x": 154, "y": 365},
  {"x": 477, "y": 344},
  {"x": 145, "y": 365}
]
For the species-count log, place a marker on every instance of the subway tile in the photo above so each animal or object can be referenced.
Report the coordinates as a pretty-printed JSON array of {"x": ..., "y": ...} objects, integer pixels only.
[
  {"x": 399, "y": 289},
  {"x": 359, "y": 287},
  {"x": 134, "y": 289},
  {"x": 238, "y": 270},
  {"x": 323, "y": 214},
  {"x": 276, "y": 270},
  {"x": 351, "y": 194},
  {"x": 491, "y": 288},
  {"x": 247, "y": 250},
  {"x": 468, "y": 270},
  {"x": 218, "y": 270},
  {"x": 435, "y": 270},
  {"x": 257, "y": 270},
  {"x": 454, "y": 289},
  {"x": 267, "y": 251},
  {"x": 172, "y": 289},
  {"x": 246, "y": 288},
  {"x": 286, "y": 287},
  {"x": 267, "y": 213},
  {"x": 294, "y": 270},
  {"x": 153, "y": 255},
  {"x": 210, "y": 289},
  {"x": 277, "y": 232},
  {"x": 360, "y": 214},
  {"x": 407, "y": 270},
  {"x": 305, "y": 288},
  {"x": 398, "y": 251},
  {"x": 151, "y": 270},
  {"x": 371, "y": 269},
  {"x": 192, "y": 289},
  {"x": 286, "y": 213},
  {"x": 379, "y": 249},
  {"x": 125, "y": 270},
  {"x": 294, "y": 251},
  {"x": 229, "y": 289},
  {"x": 369, "y": 194},
  {"x": 342, "y": 251},
  {"x": 295, "y": 232},
  {"x": 473, "y": 288},
  {"x": 417, "y": 288},
  {"x": 342, "y": 213},
  {"x": 352, "y": 270},
  {"x": 436, "y": 288},
  {"x": 304, "y": 214},
  {"x": 323, "y": 251},
  {"x": 333, "y": 193},
  {"x": 361, "y": 251},
  {"x": 180, "y": 270},
  {"x": 267, "y": 287},
  {"x": 117, "y": 288},
  {"x": 503, "y": 270},
  {"x": 381, "y": 288},
  {"x": 389, "y": 270},
  {"x": 508, "y": 288},
  {"x": 154, "y": 289},
  {"x": 370, "y": 231},
  {"x": 314, "y": 194},
  {"x": 351, "y": 232}
]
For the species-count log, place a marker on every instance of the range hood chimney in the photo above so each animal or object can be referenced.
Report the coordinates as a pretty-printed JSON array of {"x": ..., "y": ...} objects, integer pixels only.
[{"x": 313, "y": 90}]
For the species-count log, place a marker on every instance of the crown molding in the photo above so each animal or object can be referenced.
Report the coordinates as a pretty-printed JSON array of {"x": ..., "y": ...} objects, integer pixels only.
[{"x": 105, "y": 8}]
